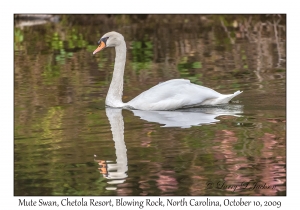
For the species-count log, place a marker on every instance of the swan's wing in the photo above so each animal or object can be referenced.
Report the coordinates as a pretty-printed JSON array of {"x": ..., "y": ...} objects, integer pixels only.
[{"x": 173, "y": 94}]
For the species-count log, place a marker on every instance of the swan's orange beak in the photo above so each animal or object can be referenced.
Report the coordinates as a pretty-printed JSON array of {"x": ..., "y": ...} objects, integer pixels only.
[{"x": 100, "y": 47}]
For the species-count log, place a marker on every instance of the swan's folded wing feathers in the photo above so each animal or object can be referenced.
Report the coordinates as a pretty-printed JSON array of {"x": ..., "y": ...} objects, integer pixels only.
[{"x": 173, "y": 94}]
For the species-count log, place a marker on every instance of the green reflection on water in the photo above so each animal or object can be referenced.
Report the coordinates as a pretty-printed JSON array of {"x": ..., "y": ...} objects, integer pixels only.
[{"x": 142, "y": 53}]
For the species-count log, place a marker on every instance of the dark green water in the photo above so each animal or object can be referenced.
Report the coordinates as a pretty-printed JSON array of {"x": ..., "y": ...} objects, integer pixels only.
[{"x": 67, "y": 142}]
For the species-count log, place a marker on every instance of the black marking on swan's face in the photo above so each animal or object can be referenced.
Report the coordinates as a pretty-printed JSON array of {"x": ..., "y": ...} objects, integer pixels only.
[{"x": 104, "y": 39}]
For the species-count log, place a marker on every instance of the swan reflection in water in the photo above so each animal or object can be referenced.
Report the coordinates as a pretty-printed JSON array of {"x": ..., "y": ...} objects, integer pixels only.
[
  {"x": 185, "y": 118},
  {"x": 116, "y": 172}
]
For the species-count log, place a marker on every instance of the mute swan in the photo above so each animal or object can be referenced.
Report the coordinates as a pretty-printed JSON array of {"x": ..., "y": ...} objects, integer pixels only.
[{"x": 169, "y": 95}]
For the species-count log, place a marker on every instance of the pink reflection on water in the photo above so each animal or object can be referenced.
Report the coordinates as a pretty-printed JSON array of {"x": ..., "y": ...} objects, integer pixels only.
[
  {"x": 167, "y": 182},
  {"x": 239, "y": 169},
  {"x": 274, "y": 172}
]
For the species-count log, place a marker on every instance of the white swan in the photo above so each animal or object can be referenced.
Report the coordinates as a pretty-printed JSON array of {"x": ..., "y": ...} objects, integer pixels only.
[{"x": 169, "y": 95}]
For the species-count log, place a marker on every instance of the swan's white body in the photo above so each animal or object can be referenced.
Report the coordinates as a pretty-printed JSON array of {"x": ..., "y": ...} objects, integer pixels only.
[{"x": 169, "y": 95}]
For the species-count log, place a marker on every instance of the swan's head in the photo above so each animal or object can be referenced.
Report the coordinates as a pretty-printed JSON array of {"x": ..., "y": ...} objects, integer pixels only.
[{"x": 110, "y": 39}]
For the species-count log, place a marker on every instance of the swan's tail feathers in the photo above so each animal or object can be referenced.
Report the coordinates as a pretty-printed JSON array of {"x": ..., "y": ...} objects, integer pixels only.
[
  {"x": 238, "y": 92},
  {"x": 227, "y": 98},
  {"x": 223, "y": 99}
]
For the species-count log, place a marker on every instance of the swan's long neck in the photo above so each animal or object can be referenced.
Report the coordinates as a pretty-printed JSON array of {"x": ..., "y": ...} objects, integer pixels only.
[{"x": 115, "y": 92}]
